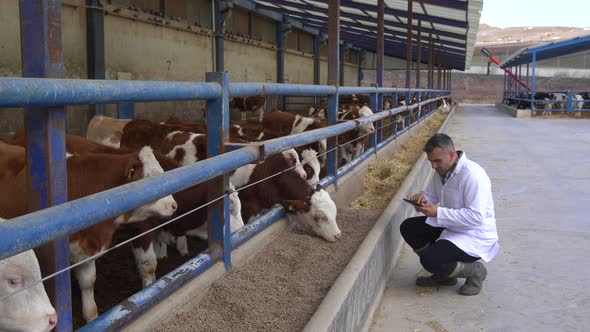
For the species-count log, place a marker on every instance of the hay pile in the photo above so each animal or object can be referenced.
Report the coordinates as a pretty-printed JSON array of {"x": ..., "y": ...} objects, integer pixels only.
[{"x": 385, "y": 176}]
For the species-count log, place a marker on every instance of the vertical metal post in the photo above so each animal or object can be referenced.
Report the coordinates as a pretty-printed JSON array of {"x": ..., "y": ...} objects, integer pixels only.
[
  {"x": 394, "y": 104},
  {"x": 438, "y": 77},
  {"x": 42, "y": 56},
  {"x": 533, "y": 79},
  {"x": 218, "y": 19},
  {"x": 527, "y": 74},
  {"x": 380, "y": 54},
  {"x": 218, "y": 212},
  {"x": 569, "y": 101},
  {"x": 359, "y": 77},
  {"x": 280, "y": 36},
  {"x": 163, "y": 7},
  {"x": 374, "y": 105},
  {"x": 316, "y": 66},
  {"x": 333, "y": 79},
  {"x": 95, "y": 54},
  {"x": 418, "y": 54},
  {"x": 409, "y": 46},
  {"x": 341, "y": 64},
  {"x": 430, "y": 61}
]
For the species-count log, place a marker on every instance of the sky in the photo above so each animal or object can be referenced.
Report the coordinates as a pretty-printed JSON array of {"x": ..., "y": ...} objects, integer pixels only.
[{"x": 533, "y": 13}]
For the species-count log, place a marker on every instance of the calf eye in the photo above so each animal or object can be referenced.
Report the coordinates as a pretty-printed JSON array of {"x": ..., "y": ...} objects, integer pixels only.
[{"x": 16, "y": 282}]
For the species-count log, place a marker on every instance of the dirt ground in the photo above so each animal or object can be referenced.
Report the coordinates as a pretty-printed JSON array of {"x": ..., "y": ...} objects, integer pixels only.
[{"x": 281, "y": 287}]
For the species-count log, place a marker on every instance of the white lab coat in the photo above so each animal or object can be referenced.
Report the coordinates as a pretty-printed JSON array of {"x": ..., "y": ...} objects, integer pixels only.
[{"x": 466, "y": 209}]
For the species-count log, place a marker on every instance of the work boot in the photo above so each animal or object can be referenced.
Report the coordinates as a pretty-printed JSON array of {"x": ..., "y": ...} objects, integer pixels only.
[
  {"x": 436, "y": 280},
  {"x": 475, "y": 273}
]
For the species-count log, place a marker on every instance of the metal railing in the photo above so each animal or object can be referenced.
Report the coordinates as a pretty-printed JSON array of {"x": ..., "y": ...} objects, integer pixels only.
[
  {"x": 41, "y": 227},
  {"x": 568, "y": 101}
]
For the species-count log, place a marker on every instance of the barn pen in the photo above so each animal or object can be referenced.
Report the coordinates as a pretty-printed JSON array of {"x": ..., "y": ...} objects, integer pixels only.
[
  {"x": 41, "y": 227},
  {"x": 524, "y": 100},
  {"x": 44, "y": 92}
]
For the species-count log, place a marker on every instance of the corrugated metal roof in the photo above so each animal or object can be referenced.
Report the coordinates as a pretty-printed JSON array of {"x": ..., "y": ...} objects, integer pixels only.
[
  {"x": 452, "y": 23},
  {"x": 547, "y": 51}
]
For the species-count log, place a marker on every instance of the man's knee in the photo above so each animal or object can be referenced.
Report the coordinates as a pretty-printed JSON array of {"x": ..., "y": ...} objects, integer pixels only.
[
  {"x": 431, "y": 261},
  {"x": 405, "y": 227}
]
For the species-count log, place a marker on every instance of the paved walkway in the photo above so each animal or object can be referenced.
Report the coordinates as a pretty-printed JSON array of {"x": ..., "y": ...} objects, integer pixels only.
[{"x": 540, "y": 280}]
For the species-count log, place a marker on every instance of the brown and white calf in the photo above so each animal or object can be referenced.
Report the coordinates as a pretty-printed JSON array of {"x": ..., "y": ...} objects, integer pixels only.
[
  {"x": 89, "y": 174},
  {"x": 182, "y": 146},
  {"x": 279, "y": 124},
  {"x": 30, "y": 309},
  {"x": 313, "y": 210}
]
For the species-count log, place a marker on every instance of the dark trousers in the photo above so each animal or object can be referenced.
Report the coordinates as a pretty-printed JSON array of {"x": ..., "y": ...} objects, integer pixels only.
[{"x": 441, "y": 256}]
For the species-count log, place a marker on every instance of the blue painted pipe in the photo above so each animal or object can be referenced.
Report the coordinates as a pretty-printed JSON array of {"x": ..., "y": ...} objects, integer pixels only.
[
  {"x": 17, "y": 92},
  {"x": 130, "y": 309},
  {"x": 276, "y": 89},
  {"x": 32, "y": 230},
  {"x": 120, "y": 315}
]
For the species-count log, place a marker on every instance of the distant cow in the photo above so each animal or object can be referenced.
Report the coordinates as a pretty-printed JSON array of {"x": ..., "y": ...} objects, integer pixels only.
[
  {"x": 251, "y": 103},
  {"x": 30, "y": 309}
]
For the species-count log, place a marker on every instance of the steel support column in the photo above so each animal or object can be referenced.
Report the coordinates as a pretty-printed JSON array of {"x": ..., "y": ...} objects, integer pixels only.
[
  {"x": 409, "y": 46},
  {"x": 341, "y": 64},
  {"x": 280, "y": 40},
  {"x": 359, "y": 78},
  {"x": 438, "y": 78},
  {"x": 333, "y": 79},
  {"x": 42, "y": 56},
  {"x": 378, "y": 136},
  {"x": 533, "y": 81},
  {"x": 418, "y": 53},
  {"x": 218, "y": 19},
  {"x": 430, "y": 62},
  {"x": 316, "y": 65},
  {"x": 218, "y": 212},
  {"x": 95, "y": 55}
]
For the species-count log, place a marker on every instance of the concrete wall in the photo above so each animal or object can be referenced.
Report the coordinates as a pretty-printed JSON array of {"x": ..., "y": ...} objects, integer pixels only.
[{"x": 248, "y": 63}]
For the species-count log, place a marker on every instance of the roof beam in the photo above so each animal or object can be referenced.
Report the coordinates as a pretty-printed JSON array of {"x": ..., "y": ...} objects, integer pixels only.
[
  {"x": 354, "y": 29},
  {"x": 461, "y": 5},
  {"x": 401, "y": 13},
  {"x": 353, "y": 16}
]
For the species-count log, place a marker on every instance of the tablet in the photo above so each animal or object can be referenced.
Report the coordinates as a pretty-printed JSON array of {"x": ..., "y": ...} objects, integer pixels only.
[{"x": 412, "y": 202}]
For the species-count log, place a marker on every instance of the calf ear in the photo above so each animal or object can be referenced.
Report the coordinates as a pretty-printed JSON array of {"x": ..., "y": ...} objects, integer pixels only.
[{"x": 294, "y": 205}]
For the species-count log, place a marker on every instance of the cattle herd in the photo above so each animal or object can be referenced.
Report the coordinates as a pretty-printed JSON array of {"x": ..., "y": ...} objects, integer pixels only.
[
  {"x": 116, "y": 152},
  {"x": 548, "y": 102}
]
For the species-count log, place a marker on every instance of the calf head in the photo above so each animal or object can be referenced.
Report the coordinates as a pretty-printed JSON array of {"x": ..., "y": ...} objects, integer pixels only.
[
  {"x": 317, "y": 213},
  {"x": 30, "y": 309},
  {"x": 293, "y": 159},
  {"x": 369, "y": 127},
  {"x": 145, "y": 166}
]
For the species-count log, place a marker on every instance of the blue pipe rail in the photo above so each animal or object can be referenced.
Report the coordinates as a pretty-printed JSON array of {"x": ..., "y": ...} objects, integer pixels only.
[
  {"x": 32, "y": 230},
  {"x": 25, "y": 232},
  {"x": 142, "y": 301},
  {"x": 16, "y": 92}
]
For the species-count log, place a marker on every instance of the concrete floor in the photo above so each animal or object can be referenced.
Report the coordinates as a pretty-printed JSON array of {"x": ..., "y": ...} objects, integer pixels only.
[{"x": 540, "y": 280}]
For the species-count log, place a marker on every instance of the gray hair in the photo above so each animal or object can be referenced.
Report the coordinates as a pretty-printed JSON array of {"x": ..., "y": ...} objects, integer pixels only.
[{"x": 439, "y": 140}]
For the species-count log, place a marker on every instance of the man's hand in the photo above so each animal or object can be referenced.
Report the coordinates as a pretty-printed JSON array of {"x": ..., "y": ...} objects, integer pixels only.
[
  {"x": 429, "y": 210},
  {"x": 419, "y": 198}
]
